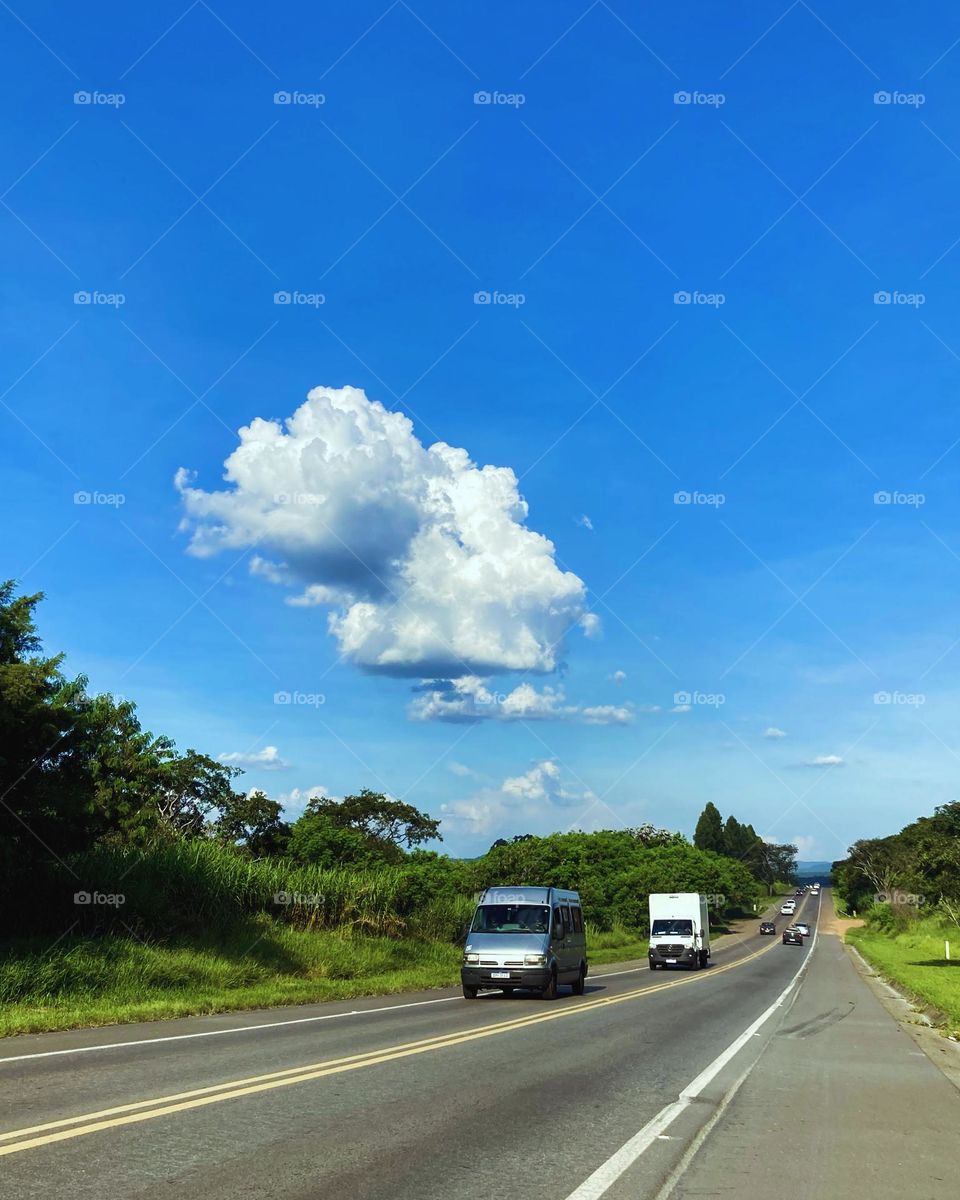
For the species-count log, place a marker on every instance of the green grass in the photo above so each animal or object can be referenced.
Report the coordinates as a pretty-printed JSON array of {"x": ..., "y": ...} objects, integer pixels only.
[
  {"x": 914, "y": 958},
  {"x": 260, "y": 964}
]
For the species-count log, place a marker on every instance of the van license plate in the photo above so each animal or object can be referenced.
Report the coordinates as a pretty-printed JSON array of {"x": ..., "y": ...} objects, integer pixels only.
[
  {"x": 499, "y": 974},
  {"x": 671, "y": 960}
]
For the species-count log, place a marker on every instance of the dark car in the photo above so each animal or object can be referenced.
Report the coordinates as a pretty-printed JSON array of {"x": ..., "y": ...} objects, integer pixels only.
[
  {"x": 792, "y": 937},
  {"x": 767, "y": 927},
  {"x": 798, "y": 892}
]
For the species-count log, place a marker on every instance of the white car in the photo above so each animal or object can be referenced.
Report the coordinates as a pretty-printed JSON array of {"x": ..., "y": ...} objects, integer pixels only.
[
  {"x": 788, "y": 910},
  {"x": 804, "y": 928}
]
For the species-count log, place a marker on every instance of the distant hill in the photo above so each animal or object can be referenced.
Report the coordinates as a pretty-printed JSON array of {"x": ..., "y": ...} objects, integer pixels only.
[{"x": 808, "y": 870}]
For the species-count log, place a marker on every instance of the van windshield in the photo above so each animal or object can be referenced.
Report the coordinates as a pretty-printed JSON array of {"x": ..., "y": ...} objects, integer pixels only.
[
  {"x": 674, "y": 927},
  {"x": 511, "y": 918}
]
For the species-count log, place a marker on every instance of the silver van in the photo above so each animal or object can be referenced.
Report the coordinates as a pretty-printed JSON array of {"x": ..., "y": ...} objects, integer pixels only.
[{"x": 525, "y": 937}]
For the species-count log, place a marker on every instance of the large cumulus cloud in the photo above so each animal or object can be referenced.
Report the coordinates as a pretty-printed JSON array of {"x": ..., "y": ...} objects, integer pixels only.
[{"x": 423, "y": 558}]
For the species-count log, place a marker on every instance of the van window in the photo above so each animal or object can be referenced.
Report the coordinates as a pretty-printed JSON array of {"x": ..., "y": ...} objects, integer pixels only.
[
  {"x": 511, "y": 918},
  {"x": 577, "y": 916},
  {"x": 567, "y": 919},
  {"x": 557, "y": 920},
  {"x": 675, "y": 927}
]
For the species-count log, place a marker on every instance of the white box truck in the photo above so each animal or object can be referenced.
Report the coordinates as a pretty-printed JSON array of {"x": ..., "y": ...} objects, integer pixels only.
[{"x": 679, "y": 930}]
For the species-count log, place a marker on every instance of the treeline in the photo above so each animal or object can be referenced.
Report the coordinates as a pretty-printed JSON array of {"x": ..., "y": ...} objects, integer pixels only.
[
  {"x": 767, "y": 861},
  {"x": 106, "y": 825},
  {"x": 908, "y": 874}
]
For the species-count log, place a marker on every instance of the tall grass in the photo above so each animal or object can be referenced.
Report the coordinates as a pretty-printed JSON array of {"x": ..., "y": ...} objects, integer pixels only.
[{"x": 204, "y": 887}]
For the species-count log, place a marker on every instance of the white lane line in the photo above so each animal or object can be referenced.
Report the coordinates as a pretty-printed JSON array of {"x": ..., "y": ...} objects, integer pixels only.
[{"x": 609, "y": 1172}]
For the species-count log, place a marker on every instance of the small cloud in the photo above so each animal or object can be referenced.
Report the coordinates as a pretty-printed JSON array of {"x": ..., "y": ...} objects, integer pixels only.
[
  {"x": 825, "y": 760},
  {"x": 591, "y": 625},
  {"x": 458, "y": 768},
  {"x": 680, "y": 708},
  {"x": 584, "y": 522},
  {"x": 618, "y": 677},
  {"x": 470, "y": 699},
  {"x": 774, "y": 732},
  {"x": 268, "y": 759}
]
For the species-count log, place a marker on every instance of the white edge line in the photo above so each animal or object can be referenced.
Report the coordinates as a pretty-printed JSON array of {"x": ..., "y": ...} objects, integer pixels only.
[{"x": 609, "y": 1172}]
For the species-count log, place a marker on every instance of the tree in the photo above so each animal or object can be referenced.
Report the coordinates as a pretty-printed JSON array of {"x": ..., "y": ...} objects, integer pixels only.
[
  {"x": 383, "y": 826},
  {"x": 254, "y": 822},
  {"x": 709, "y": 832}
]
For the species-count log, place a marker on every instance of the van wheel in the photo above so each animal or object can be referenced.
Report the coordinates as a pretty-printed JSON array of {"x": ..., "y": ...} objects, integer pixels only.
[
  {"x": 507, "y": 991},
  {"x": 550, "y": 991},
  {"x": 469, "y": 993},
  {"x": 653, "y": 965},
  {"x": 703, "y": 958},
  {"x": 579, "y": 984}
]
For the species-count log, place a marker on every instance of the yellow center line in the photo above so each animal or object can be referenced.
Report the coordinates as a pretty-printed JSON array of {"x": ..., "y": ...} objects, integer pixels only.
[{"x": 145, "y": 1110}]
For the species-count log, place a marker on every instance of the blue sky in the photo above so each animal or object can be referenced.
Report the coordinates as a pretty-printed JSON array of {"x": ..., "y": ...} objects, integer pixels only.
[{"x": 588, "y": 167}]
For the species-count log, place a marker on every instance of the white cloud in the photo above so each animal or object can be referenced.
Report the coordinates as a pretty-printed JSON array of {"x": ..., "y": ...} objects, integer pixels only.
[
  {"x": 459, "y": 768},
  {"x": 774, "y": 732},
  {"x": 471, "y": 699},
  {"x": 825, "y": 760},
  {"x": 585, "y": 522},
  {"x": 618, "y": 677},
  {"x": 681, "y": 708},
  {"x": 591, "y": 625},
  {"x": 297, "y": 799},
  {"x": 806, "y": 846},
  {"x": 423, "y": 557},
  {"x": 536, "y": 800},
  {"x": 268, "y": 759}
]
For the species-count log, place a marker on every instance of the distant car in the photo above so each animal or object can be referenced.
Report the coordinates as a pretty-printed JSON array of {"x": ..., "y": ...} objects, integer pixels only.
[
  {"x": 787, "y": 910},
  {"x": 798, "y": 892},
  {"x": 792, "y": 937},
  {"x": 767, "y": 927},
  {"x": 804, "y": 928}
]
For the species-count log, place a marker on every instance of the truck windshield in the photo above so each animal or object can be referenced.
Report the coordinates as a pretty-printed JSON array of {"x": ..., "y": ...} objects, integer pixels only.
[
  {"x": 511, "y": 918},
  {"x": 672, "y": 928}
]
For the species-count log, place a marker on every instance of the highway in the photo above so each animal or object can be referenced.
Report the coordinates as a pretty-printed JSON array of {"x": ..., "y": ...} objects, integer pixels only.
[{"x": 650, "y": 1085}]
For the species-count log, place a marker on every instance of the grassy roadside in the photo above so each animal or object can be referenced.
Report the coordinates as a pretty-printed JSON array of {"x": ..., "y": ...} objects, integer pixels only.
[
  {"x": 914, "y": 959},
  {"x": 262, "y": 964}
]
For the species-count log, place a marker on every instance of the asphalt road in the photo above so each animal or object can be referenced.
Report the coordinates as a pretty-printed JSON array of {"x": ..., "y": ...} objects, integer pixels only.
[{"x": 433, "y": 1096}]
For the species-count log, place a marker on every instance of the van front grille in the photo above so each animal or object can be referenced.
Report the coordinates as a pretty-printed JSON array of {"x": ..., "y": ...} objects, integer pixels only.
[{"x": 670, "y": 951}]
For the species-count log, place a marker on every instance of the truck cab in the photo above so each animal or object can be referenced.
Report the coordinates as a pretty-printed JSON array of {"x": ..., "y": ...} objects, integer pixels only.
[{"x": 679, "y": 930}]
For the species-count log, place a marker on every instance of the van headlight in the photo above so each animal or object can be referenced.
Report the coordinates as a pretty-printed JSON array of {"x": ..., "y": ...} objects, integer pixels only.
[
  {"x": 471, "y": 959},
  {"x": 535, "y": 960}
]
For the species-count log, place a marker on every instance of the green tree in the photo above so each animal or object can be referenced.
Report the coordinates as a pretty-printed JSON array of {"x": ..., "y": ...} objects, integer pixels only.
[
  {"x": 708, "y": 834},
  {"x": 254, "y": 822}
]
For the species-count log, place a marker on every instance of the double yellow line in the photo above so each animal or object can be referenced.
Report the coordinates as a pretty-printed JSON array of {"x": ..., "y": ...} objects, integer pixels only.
[{"x": 66, "y": 1128}]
